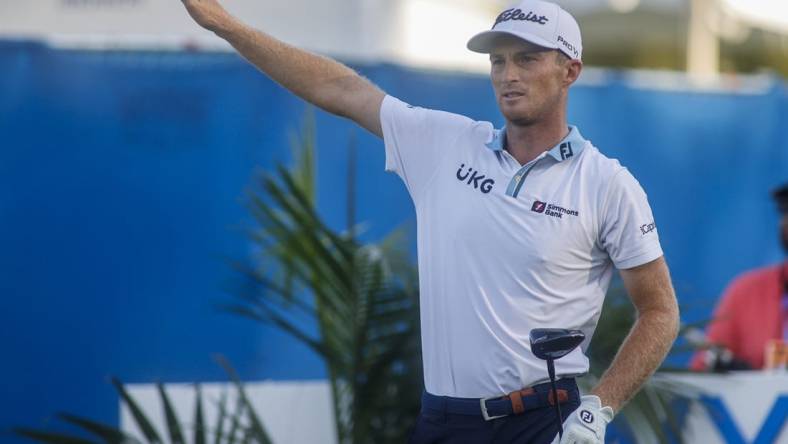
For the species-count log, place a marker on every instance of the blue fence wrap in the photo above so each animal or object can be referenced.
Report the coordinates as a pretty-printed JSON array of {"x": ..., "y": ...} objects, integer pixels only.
[{"x": 122, "y": 176}]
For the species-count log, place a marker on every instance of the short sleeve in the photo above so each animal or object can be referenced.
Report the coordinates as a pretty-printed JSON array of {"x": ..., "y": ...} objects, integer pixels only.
[
  {"x": 417, "y": 140},
  {"x": 628, "y": 232}
]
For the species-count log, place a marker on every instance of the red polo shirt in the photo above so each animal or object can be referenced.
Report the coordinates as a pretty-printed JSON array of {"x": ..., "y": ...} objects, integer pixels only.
[{"x": 749, "y": 314}]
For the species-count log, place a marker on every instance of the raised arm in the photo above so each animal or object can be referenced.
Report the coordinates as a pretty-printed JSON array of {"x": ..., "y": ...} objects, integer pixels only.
[{"x": 319, "y": 80}]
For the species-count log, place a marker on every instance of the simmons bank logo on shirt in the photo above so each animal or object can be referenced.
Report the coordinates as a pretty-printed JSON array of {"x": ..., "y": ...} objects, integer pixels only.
[{"x": 552, "y": 209}]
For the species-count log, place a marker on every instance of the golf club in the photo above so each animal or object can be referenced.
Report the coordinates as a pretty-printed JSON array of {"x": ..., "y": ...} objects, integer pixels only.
[{"x": 550, "y": 344}]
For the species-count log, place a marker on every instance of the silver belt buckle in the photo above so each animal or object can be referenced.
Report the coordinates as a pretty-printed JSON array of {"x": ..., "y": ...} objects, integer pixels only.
[{"x": 483, "y": 404}]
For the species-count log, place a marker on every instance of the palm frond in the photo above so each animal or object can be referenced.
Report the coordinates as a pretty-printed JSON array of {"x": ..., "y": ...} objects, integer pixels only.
[
  {"x": 363, "y": 297},
  {"x": 151, "y": 435},
  {"x": 245, "y": 423},
  {"x": 256, "y": 429},
  {"x": 108, "y": 434},
  {"x": 50, "y": 438},
  {"x": 171, "y": 418},
  {"x": 220, "y": 419},
  {"x": 200, "y": 432}
]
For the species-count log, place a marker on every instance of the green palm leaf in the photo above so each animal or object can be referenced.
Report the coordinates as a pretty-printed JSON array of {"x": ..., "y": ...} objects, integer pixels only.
[
  {"x": 363, "y": 297},
  {"x": 256, "y": 429},
  {"x": 50, "y": 438},
  {"x": 235, "y": 424},
  {"x": 108, "y": 434},
  {"x": 139, "y": 416},
  {"x": 173, "y": 425},
  {"x": 200, "y": 431},
  {"x": 219, "y": 428}
]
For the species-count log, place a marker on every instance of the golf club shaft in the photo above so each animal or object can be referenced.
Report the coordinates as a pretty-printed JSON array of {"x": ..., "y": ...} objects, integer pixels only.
[{"x": 551, "y": 373}]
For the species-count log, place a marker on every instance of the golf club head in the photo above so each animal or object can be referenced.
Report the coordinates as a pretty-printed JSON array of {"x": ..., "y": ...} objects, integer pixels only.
[{"x": 554, "y": 343}]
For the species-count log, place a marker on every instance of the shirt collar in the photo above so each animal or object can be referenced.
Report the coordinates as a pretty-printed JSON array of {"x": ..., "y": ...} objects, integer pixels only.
[{"x": 569, "y": 146}]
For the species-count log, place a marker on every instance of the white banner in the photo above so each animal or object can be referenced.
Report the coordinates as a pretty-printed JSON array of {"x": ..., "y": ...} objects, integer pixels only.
[
  {"x": 735, "y": 408},
  {"x": 295, "y": 412},
  {"x": 351, "y": 28}
]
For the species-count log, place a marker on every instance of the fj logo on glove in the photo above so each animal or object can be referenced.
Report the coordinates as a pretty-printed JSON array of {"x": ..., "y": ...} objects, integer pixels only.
[{"x": 587, "y": 416}]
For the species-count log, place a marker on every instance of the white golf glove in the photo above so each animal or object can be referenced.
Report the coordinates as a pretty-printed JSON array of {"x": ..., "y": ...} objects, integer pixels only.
[{"x": 587, "y": 424}]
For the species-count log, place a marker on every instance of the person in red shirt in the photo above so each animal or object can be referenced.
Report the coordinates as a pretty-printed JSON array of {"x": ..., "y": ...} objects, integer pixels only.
[{"x": 752, "y": 312}]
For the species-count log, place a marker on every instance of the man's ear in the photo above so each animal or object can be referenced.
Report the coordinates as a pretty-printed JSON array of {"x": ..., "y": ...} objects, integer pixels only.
[{"x": 573, "y": 68}]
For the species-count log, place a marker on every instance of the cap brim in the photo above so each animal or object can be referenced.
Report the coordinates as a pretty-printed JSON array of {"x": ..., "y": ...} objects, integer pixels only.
[{"x": 485, "y": 41}]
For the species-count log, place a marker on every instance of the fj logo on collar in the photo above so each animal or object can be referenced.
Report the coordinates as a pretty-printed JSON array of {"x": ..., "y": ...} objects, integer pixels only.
[
  {"x": 552, "y": 209},
  {"x": 566, "y": 150},
  {"x": 587, "y": 416},
  {"x": 478, "y": 181},
  {"x": 517, "y": 14}
]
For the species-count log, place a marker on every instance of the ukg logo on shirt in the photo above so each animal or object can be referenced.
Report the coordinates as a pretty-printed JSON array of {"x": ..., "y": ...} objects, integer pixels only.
[{"x": 476, "y": 180}]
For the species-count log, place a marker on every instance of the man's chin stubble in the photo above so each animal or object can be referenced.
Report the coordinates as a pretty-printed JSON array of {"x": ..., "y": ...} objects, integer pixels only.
[{"x": 522, "y": 122}]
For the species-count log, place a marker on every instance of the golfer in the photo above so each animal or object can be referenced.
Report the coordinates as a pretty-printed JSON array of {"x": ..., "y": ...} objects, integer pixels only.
[{"x": 518, "y": 228}]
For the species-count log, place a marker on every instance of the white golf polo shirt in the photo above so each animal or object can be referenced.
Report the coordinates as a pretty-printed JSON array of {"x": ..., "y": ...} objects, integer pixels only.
[{"x": 504, "y": 248}]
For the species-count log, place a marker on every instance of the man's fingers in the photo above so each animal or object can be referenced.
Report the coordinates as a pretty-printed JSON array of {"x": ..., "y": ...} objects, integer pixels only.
[{"x": 207, "y": 13}]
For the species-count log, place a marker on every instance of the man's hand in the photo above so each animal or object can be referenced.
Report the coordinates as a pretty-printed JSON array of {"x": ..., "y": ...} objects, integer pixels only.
[
  {"x": 207, "y": 13},
  {"x": 587, "y": 424}
]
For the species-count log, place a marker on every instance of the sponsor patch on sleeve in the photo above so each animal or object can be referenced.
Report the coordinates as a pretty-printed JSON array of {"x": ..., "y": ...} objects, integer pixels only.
[{"x": 647, "y": 228}]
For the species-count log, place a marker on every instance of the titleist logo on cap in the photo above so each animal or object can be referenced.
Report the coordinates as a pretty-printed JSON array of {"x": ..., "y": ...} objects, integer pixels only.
[{"x": 518, "y": 14}]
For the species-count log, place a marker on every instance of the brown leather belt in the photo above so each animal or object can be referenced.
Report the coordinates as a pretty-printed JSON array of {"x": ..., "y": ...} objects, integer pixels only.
[
  {"x": 514, "y": 403},
  {"x": 518, "y": 406}
]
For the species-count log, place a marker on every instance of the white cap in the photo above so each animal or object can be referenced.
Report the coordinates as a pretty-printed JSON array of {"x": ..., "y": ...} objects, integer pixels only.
[{"x": 541, "y": 23}]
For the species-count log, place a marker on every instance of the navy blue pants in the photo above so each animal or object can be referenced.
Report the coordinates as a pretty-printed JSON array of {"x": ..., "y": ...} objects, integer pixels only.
[{"x": 534, "y": 426}]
